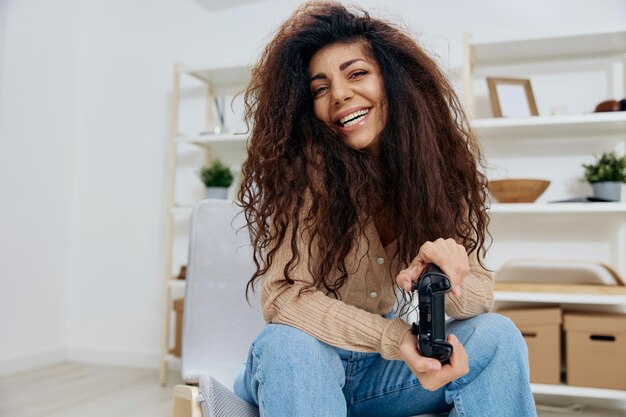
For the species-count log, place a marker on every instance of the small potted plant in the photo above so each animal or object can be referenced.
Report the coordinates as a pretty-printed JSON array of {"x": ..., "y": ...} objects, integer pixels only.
[
  {"x": 606, "y": 176},
  {"x": 217, "y": 177}
]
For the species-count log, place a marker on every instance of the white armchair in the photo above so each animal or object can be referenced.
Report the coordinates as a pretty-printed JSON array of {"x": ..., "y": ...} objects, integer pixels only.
[{"x": 219, "y": 325}]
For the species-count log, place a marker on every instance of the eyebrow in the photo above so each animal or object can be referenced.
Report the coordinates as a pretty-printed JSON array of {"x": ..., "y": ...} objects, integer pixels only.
[{"x": 322, "y": 76}]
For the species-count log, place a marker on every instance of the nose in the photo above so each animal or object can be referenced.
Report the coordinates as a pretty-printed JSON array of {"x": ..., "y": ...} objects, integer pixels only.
[{"x": 341, "y": 92}]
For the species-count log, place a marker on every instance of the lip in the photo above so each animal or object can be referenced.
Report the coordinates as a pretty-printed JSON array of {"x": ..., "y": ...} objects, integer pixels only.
[
  {"x": 347, "y": 112},
  {"x": 359, "y": 124}
]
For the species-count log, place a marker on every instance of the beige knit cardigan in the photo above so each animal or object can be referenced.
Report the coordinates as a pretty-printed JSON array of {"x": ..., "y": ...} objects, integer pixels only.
[{"x": 355, "y": 321}]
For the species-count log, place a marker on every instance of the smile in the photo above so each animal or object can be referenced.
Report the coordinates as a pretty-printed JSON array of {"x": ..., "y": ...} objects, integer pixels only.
[{"x": 353, "y": 118}]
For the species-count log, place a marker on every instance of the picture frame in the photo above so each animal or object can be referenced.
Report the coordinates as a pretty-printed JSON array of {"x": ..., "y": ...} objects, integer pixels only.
[{"x": 511, "y": 97}]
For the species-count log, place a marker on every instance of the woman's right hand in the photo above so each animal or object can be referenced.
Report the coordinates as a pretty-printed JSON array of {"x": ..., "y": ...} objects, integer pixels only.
[{"x": 429, "y": 372}]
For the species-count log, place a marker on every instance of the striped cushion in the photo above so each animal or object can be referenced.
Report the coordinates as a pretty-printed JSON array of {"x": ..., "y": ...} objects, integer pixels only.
[{"x": 219, "y": 401}]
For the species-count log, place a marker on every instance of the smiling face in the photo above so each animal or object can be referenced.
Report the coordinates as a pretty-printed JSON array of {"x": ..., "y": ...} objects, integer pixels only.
[{"x": 348, "y": 91}]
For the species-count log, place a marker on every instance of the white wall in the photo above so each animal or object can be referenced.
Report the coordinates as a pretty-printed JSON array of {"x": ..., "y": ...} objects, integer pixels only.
[
  {"x": 104, "y": 193},
  {"x": 116, "y": 282},
  {"x": 37, "y": 131}
]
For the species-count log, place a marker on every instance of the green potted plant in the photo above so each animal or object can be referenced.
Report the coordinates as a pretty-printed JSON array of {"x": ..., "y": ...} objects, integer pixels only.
[
  {"x": 606, "y": 176},
  {"x": 216, "y": 177}
]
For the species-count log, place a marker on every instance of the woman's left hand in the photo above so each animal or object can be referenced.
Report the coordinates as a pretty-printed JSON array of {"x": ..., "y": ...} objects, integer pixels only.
[{"x": 447, "y": 254}]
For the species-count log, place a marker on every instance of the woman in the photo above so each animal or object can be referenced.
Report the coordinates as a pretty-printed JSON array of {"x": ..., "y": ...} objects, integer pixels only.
[{"x": 361, "y": 171}]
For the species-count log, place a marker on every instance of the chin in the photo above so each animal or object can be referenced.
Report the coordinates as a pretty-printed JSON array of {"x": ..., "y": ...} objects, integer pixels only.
[{"x": 361, "y": 145}]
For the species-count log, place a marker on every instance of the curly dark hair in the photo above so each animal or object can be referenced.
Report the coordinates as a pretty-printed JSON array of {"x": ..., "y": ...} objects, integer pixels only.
[{"x": 426, "y": 177}]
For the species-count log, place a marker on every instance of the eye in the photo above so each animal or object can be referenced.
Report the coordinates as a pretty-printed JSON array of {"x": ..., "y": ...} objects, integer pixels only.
[
  {"x": 357, "y": 74},
  {"x": 319, "y": 90}
]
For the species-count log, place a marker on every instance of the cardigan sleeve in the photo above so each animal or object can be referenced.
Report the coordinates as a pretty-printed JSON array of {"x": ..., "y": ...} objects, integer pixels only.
[
  {"x": 330, "y": 320},
  {"x": 476, "y": 295}
]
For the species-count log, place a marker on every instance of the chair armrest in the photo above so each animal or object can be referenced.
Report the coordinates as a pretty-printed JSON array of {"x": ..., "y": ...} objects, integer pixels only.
[{"x": 186, "y": 401}]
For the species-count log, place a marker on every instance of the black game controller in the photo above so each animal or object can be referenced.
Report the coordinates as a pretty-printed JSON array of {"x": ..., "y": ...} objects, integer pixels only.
[{"x": 431, "y": 330}]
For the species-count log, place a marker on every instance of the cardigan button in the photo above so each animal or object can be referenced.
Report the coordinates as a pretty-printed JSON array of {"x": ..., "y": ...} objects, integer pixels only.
[
  {"x": 380, "y": 261},
  {"x": 373, "y": 294}
]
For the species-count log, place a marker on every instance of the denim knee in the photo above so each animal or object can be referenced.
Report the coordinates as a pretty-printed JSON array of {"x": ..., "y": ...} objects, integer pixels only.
[
  {"x": 497, "y": 334},
  {"x": 286, "y": 350},
  {"x": 498, "y": 382},
  {"x": 508, "y": 334}
]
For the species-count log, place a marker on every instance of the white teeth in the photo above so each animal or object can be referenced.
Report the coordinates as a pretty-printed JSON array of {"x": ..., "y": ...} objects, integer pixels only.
[
  {"x": 355, "y": 121},
  {"x": 344, "y": 119}
]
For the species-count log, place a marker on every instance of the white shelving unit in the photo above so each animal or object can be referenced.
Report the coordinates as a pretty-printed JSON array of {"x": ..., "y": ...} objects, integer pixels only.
[
  {"x": 597, "y": 44},
  {"x": 177, "y": 284},
  {"x": 560, "y": 208},
  {"x": 578, "y": 392},
  {"x": 238, "y": 141},
  {"x": 541, "y": 126},
  {"x": 579, "y": 294},
  {"x": 193, "y": 116},
  {"x": 554, "y": 147}
]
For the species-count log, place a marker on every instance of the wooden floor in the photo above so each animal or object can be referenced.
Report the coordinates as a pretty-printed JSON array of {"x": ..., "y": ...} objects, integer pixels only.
[{"x": 79, "y": 390}]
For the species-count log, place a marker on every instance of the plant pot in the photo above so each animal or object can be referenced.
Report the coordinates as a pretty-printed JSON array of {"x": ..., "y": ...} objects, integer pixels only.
[
  {"x": 219, "y": 193},
  {"x": 608, "y": 190}
]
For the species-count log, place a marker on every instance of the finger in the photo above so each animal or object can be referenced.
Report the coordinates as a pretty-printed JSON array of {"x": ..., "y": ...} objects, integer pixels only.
[
  {"x": 450, "y": 272},
  {"x": 405, "y": 280},
  {"x": 456, "y": 290},
  {"x": 426, "y": 365},
  {"x": 402, "y": 279},
  {"x": 458, "y": 359},
  {"x": 454, "y": 358},
  {"x": 450, "y": 256},
  {"x": 419, "y": 269},
  {"x": 452, "y": 244},
  {"x": 445, "y": 375},
  {"x": 456, "y": 342},
  {"x": 406, "y": 277},
  {"x": 439, "y": 254},
  {"x": 464, "y": 262},
  {"x": 428, "y": 253},
  {"x": 455, "y": 270}
]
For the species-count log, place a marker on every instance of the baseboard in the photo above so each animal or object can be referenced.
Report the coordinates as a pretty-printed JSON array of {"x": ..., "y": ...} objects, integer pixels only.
[
  {"x": 132, "y": 359},
  {"x": 31, "y": 361}
]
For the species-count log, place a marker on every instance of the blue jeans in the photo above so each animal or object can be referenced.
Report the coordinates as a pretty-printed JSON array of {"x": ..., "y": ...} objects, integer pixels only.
[{"x": 290, "y": 373}]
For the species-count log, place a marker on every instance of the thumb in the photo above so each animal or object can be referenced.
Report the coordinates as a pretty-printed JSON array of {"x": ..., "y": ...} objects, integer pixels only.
[{"x": 456, "y": 347}]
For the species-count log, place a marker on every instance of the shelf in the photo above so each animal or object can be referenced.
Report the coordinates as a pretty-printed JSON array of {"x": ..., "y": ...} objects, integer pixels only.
[
  {"x": 550, "y": 48},
  {"x": 228, "y": 76},
  {"x": 572, "y": 391},
  {"x": 177, "y": 283},
  {"x": 186, "y": 208},
  {"x": 559, "y": 208},
  {"x": 183, "y": 209},
  {"x": 560, "y": 293},
  {"x": 172, "y": 359},
  {"x": 561, "y": 125},
  {"x": 555, "y": 298},
  {"x": 213, "y": 140}
]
